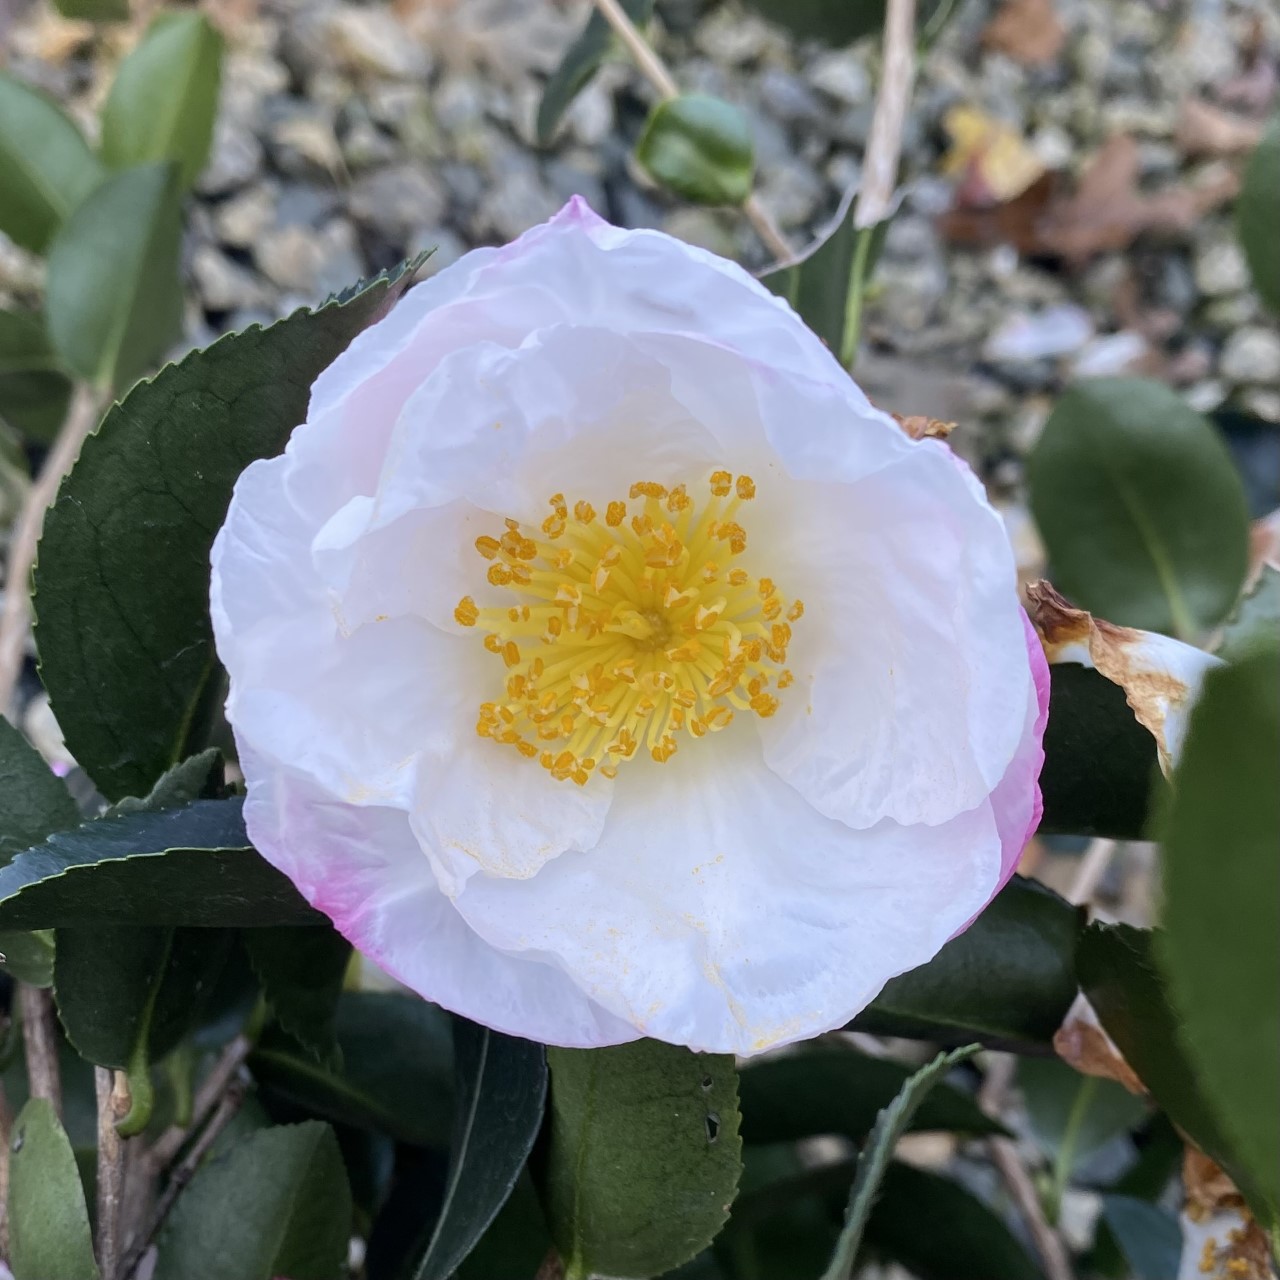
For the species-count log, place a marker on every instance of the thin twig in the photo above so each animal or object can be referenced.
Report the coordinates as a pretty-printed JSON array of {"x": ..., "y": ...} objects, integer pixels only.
[
  {"x": 6, "y": 1128},
  {"x": 1089, "y": 872},
  {"x": 1004, "y": 1155},
  {"x": 181, "y": 1175},
  {"x": 655, "y": 71},
  {"x": 40, "y": 1040},
  {"x": 884, "y": 144},
  {"x": 113, "y": 1103},
  {"x": 82, "y": 417},
  {"x": 220, "y": 1078}
]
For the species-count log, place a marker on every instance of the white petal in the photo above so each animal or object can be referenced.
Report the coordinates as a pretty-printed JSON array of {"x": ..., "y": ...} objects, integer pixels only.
[
  {"x": 364, "y": 869},
  {"x": 719, "y": 910}
]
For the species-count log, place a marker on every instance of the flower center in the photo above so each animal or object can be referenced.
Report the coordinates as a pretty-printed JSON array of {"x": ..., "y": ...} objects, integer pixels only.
[{"x": 628, "y": 630}]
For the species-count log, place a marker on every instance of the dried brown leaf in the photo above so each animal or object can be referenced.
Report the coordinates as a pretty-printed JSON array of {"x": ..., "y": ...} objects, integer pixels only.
[
  {"x": 1206, "y": 130},
  {"x": 917, "y": 426},
  {"x": 1082, "y": 1043},
  {"x": 1028, "y": 31}
]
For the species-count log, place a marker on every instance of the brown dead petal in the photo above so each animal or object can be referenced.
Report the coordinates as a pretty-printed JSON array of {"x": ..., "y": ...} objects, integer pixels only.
[
  {"x": 1160, "y": 676},
  {"x": 918, "y": 427},
  {"x": 1082, "y": 1043},
  {"x": 1221, "y": 1239},
  {"x": 1206, "y": 130},
  {"x": 1028, "y": 31},
  {"x": 1109, "y": 212},
  {"x": 1264, "y": 548}
]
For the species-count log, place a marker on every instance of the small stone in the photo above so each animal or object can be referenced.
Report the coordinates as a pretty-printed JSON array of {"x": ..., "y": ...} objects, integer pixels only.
[
  {"x": 241, "y": 220},
  {"x": 234, "y": 160},
  {"x": 371, "y": 40},
  {"x": 224, "y": 285},
  {"x": 1206, "y": 396},
  {"x": 732, "y": 38},
  {"x": 1251, "y": 356},
  {"x": 791, "y": 192},
  {"x": 1262, "y": 404},
  {"x": 1111, "y": 354},
  {"x": 788, "y": 98},
  {"x": 312, "y": 263},
  {"x": 841, "y": 75},
  {"x": 702, "y": 228},
  {"x": 1221, "y": 269},
  {"x": 303, "y": 142},
  {"x": 514, "y": 205},
  {"x": 1055, "y": 331},
  {"x": 365, "y": 146},
  {"x": 397, "y": 201}
]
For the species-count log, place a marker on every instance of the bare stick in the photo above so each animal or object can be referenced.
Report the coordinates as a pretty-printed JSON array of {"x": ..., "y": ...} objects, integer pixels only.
[
  {"x": 1092, "y": 867},
  {"x": 182, "y": 1175},
  {"x": 166, "y": 1147},
  {"x": 1004, "y": 1155},
  {"x": 6, "y": 1129},
  {"x": 113, "y": 1103},
  {"x": 40, "y": 1040},
  {"x": 884, "y": 145},
  {"x": 82, "y": 417},
  {"x": 655, "y": 71}
]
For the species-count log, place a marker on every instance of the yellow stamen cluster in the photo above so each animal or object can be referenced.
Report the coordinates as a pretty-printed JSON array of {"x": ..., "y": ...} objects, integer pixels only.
[{"x": 628, "y": 629}]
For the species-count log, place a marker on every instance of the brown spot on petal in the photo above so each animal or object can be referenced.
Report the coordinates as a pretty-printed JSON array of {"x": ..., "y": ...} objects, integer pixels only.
[{"x": 917, "y": 426}]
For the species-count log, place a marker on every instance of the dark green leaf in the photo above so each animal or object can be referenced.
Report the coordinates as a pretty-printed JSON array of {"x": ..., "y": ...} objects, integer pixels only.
[
  {"x": 1074, "y": 1116},
  {"x": 1222, "y": 907},
  {"x": 940, "y": 1231},
  {"x": 700, "y": 147},
  {"x": 126, "y": 996},
  {"x": 113, "y": 296},
  {"x": 1009, "y": 978},
  {"x": 830, "y": 1089},
  {"x": 1141, "y": 509},
  {"x": 164, "y": 98},
  {"x": 34, "y": 802},
  {"x": 198, "y": 777},
  {"x": 1255, "y": 621},
  {"x": 644, "y": 1155},
  {"x": 46, "y": 167},
  {"x": 275, "y": 1204},
  {"x": 1258, "y": 215},
  {"x": 94, "y": 10},
  {"x": 48, "y": 1219},
  {"x": 134, "y": 523},
  {"x": 819, "y": 285},
  {"x": 581, "y": 61},
  {"x": 1148, "y": 1237},
  {"x": 302, "y": 972},
  {"x": 34, "y": 391},
  {"x": 406, "y": 1093},
  {"x": 28, "y": 956},
  {"x": 515, "y": 1245},
  {"x": 834, "y": 22},
  {"x": 187, "y": 866},
  {"x": 1119, "y": 976},
  {"x": 499, "y": 1095},
  {"x": 1099, "y": 762},
  {"x": 873, "y": 1161}
]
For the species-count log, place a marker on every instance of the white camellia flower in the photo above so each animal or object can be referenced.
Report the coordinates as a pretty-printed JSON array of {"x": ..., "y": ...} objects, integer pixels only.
[{"x": 605, "y": 665}]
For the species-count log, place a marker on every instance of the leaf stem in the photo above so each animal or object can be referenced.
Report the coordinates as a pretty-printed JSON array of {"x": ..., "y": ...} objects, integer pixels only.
[
  {"x": 854, "y": 298},
  {"x": 112, "y": 1088},
  {"x": 219, "y": 1080},
  {"x": 1065, "y": 1159},
  {"x": 655, "y": 71},
  {"x": 40, "y": 1042},
  {"x": 82, "y": 416}
]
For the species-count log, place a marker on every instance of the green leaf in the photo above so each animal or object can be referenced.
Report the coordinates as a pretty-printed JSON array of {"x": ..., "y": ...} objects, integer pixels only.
[
  {"x": 517, "y": 1242},
  {"x": 1073, "y": 1117},
  {"x": 28, "y": 956},
  {"x": 113, "y": 296},
  {"x": 1120, "y": 979},
  {"x": 827, "y": 285},
  {"x": 700, "y": 147},
  {"x": 1009, "y": 979},
  {"x": 1258, "y": 215},
  {"x": 1099, "y": 762},
  {"x": 834, "y": 22},
  {"x": 1147, "y": 1236},
  {"x": 940, "y": 1231},
  {"x": 93, "y": 10},
  {"x": 199, "y": 777},
  {"x": 275, "y": 1204},
  {"x": 1221, "y": 881},
  {"x": 1255, "y": 621},
  {"x": 34, "y": 391},
  {"x": 46, "y": 167},
  {"x": 126, "y": 996},
  {"x": 644, "y": 1155},
  {"x": 874, "y": 1159},
  {"x": 581, "y": 61},
  {"x": 831, "y": 1089},
  {"x": 48, "y": 1219},
  {"x": 302, "y": 972},
  {"x": 34, "y": 801},
  {"x": 501, "y": 1089},
  {"x": 187, "y": 866},
  {"x": 396, "y": 1075},
  {"x": 1140, "y": 506},
  {"x": 134, "y": 523},
  {"x": 164, "y": 98}
]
